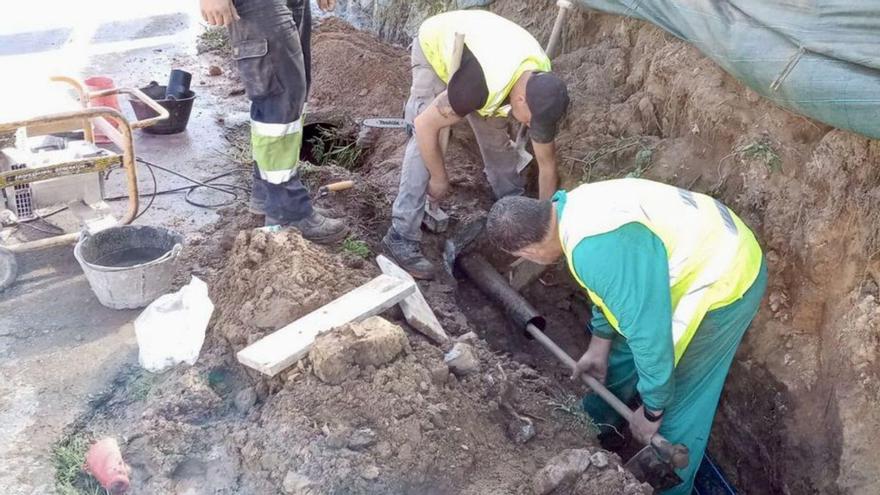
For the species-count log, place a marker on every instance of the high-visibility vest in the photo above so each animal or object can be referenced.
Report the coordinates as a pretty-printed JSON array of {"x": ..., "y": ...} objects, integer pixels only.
[
  {"x": 713, "y": 256},
  {"x": 504, "y": 50}
]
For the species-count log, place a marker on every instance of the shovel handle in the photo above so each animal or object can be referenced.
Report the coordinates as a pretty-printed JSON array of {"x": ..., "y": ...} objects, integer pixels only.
[
  {"x": 339, "y": 186},
  {"x": 677, "y": 454}
]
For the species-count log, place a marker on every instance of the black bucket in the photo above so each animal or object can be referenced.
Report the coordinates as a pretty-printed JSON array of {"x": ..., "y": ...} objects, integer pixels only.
[{"x": 178, "y": 110}]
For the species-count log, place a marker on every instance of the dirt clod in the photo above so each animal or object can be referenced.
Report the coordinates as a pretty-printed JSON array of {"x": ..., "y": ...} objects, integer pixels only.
[
  {"x": 245, "y": 399},
  {"x": 562, "y": 469},
  {"x": 462, "y": 360},
  {"x": 341, "y": 354},
  {"x": 599, "y": 459},
  {"x": 297, "y": 484}
]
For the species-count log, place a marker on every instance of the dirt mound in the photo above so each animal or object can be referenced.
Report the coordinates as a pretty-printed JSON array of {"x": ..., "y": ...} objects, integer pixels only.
[
  {"x": 356, "y": 76},
  {"x": 374, "y": 409},
  {"x": 411, "y": 426},
  {"x": 272, "y": 279}
]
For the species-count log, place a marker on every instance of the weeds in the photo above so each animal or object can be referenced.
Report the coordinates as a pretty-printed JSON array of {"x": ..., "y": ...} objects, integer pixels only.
[
  {"x": 643, "y": 158},
  {"x": 214, "y": 39},
  {"x": 69, "y": 456},
  {"x": 239, "y": 149},
  {"x": 571, "y": 406},
  {"x": 761, "y": 151},
  {"x": 329, "y": 147},
  {"x": 356, "y": 247},
  {"x": 142, "y": 385}
]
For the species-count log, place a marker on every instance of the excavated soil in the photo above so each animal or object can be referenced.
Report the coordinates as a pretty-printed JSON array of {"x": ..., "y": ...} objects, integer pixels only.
[
  {"x": 799, "y": 413},
  {"x": 386, "y": 416}
]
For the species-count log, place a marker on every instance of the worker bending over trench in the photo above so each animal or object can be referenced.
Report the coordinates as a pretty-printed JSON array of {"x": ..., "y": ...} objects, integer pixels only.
[
  {"x": 675, "y": 278},
  {"x": 502, "y": 70}
]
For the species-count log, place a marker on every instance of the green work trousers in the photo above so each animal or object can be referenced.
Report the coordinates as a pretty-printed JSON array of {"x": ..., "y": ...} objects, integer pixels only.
[{"x": 699, "y": 379}]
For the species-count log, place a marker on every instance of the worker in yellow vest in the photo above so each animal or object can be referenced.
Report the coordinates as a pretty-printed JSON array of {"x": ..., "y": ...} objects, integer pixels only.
[
  {"x": 675, "y": 279},
  {"x": 502, "y": 70}
]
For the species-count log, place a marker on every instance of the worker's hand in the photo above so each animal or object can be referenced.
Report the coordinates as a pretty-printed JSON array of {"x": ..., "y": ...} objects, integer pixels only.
[
  {"x": 327, "y": 5},
  {"x": 593, "y": 364},
  {"x": 438, "y": 188},
  {"x": 642, "y": 429},
  {"x": 219, "y": 12}
]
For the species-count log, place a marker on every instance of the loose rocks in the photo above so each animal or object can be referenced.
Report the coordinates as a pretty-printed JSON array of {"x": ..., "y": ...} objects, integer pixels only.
[
  {"x": 297, "y": 484},
  {"x": 245, "y": 399},
  {"x": 462, "y": 359},
  {"x": 565, "y": 468}
]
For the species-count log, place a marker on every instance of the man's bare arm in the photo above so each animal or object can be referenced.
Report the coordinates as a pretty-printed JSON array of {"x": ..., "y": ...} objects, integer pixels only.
[
  {"x": 548, "y": 179},
  {"x": 437, "y": 116}
]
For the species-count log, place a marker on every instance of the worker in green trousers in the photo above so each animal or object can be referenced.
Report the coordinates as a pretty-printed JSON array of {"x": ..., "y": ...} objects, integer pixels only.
[{"x": 675, "y": 279}]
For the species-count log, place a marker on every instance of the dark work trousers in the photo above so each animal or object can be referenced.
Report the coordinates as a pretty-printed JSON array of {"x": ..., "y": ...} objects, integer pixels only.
[{"x": 271, "y": 45}]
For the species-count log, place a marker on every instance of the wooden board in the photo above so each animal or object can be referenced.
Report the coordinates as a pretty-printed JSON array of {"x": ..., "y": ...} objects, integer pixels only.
[
  {"x": 280, "y": 349},
  {"x": 415, "y": 308}
]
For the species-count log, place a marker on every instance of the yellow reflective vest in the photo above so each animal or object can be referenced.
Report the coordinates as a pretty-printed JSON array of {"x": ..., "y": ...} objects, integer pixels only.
[
  {"x": 504, "y": 50},
  {"x": 713, "y": 256}
]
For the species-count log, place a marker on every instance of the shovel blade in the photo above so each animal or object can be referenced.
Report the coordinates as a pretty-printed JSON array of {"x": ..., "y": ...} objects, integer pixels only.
[
  {"x": 648, "y": 468},
  {"x": 460, "y": 242},
  {"x": 524, "y": 158}
]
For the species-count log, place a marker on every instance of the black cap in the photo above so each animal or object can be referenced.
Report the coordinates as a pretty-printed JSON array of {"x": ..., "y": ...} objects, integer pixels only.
[{"x": 547, "y": 98}]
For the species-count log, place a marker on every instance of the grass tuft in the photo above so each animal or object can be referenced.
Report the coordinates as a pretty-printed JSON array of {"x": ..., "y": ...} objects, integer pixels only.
[
  {"x": 570, "y": 406},
  {"x": 356, "y": 247},
  {"x": 762, "y": 151},
  {"x": 69, "y": 457},
  {"x": 214, "y": 39},
  {"x": 332, "y": 148}
]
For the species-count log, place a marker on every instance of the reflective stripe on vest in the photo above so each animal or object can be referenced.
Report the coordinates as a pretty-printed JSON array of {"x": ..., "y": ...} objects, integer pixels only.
[
  {"x": 713, "y": 256},
  {"x": 504, "y": 50}
]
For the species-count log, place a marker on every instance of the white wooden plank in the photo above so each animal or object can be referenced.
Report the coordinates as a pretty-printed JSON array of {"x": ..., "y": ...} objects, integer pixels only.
[
  {"x": 415, "y": 308},
  {"x": 289, "y": 344}
]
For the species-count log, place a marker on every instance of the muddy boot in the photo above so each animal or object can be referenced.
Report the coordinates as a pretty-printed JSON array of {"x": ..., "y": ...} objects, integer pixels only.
[
  {"x": 408, "y": 255},
  {"x": 257, "y": 206},
  {"x": 317, "y": 228}
]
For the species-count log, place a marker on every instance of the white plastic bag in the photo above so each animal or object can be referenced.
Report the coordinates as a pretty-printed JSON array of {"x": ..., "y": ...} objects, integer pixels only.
[{"x": 171, "y": 330}]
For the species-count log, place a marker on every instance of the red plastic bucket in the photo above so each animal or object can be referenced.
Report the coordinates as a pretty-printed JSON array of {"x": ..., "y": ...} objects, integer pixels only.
[{"x": 98, "y": 83}]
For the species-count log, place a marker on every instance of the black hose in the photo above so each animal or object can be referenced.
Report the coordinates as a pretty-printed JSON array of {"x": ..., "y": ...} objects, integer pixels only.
[{"x": 223, "y": 188}]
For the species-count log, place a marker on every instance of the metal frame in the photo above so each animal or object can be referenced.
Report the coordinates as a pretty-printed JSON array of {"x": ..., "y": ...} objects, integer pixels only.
[{"x": 85, "y": 119}]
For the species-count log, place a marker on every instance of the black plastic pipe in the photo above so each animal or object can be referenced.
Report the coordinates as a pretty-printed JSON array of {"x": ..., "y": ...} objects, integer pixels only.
[{"x": 527, "y": 318}]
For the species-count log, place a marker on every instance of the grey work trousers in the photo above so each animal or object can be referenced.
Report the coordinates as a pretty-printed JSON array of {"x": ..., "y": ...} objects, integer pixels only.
[
  {"x": 499, "y": 156},
  {"x": 272, "y": 48}
]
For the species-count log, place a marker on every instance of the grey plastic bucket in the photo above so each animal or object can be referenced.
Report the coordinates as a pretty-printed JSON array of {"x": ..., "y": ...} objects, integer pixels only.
[{"x": 129, "y": 266}]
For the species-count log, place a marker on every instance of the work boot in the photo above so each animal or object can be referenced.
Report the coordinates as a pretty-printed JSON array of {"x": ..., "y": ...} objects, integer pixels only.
[
  {"x": 258, "y": 208},
  {"x": 408, "y": 255},
  {"x": 317, "y": 228}
]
